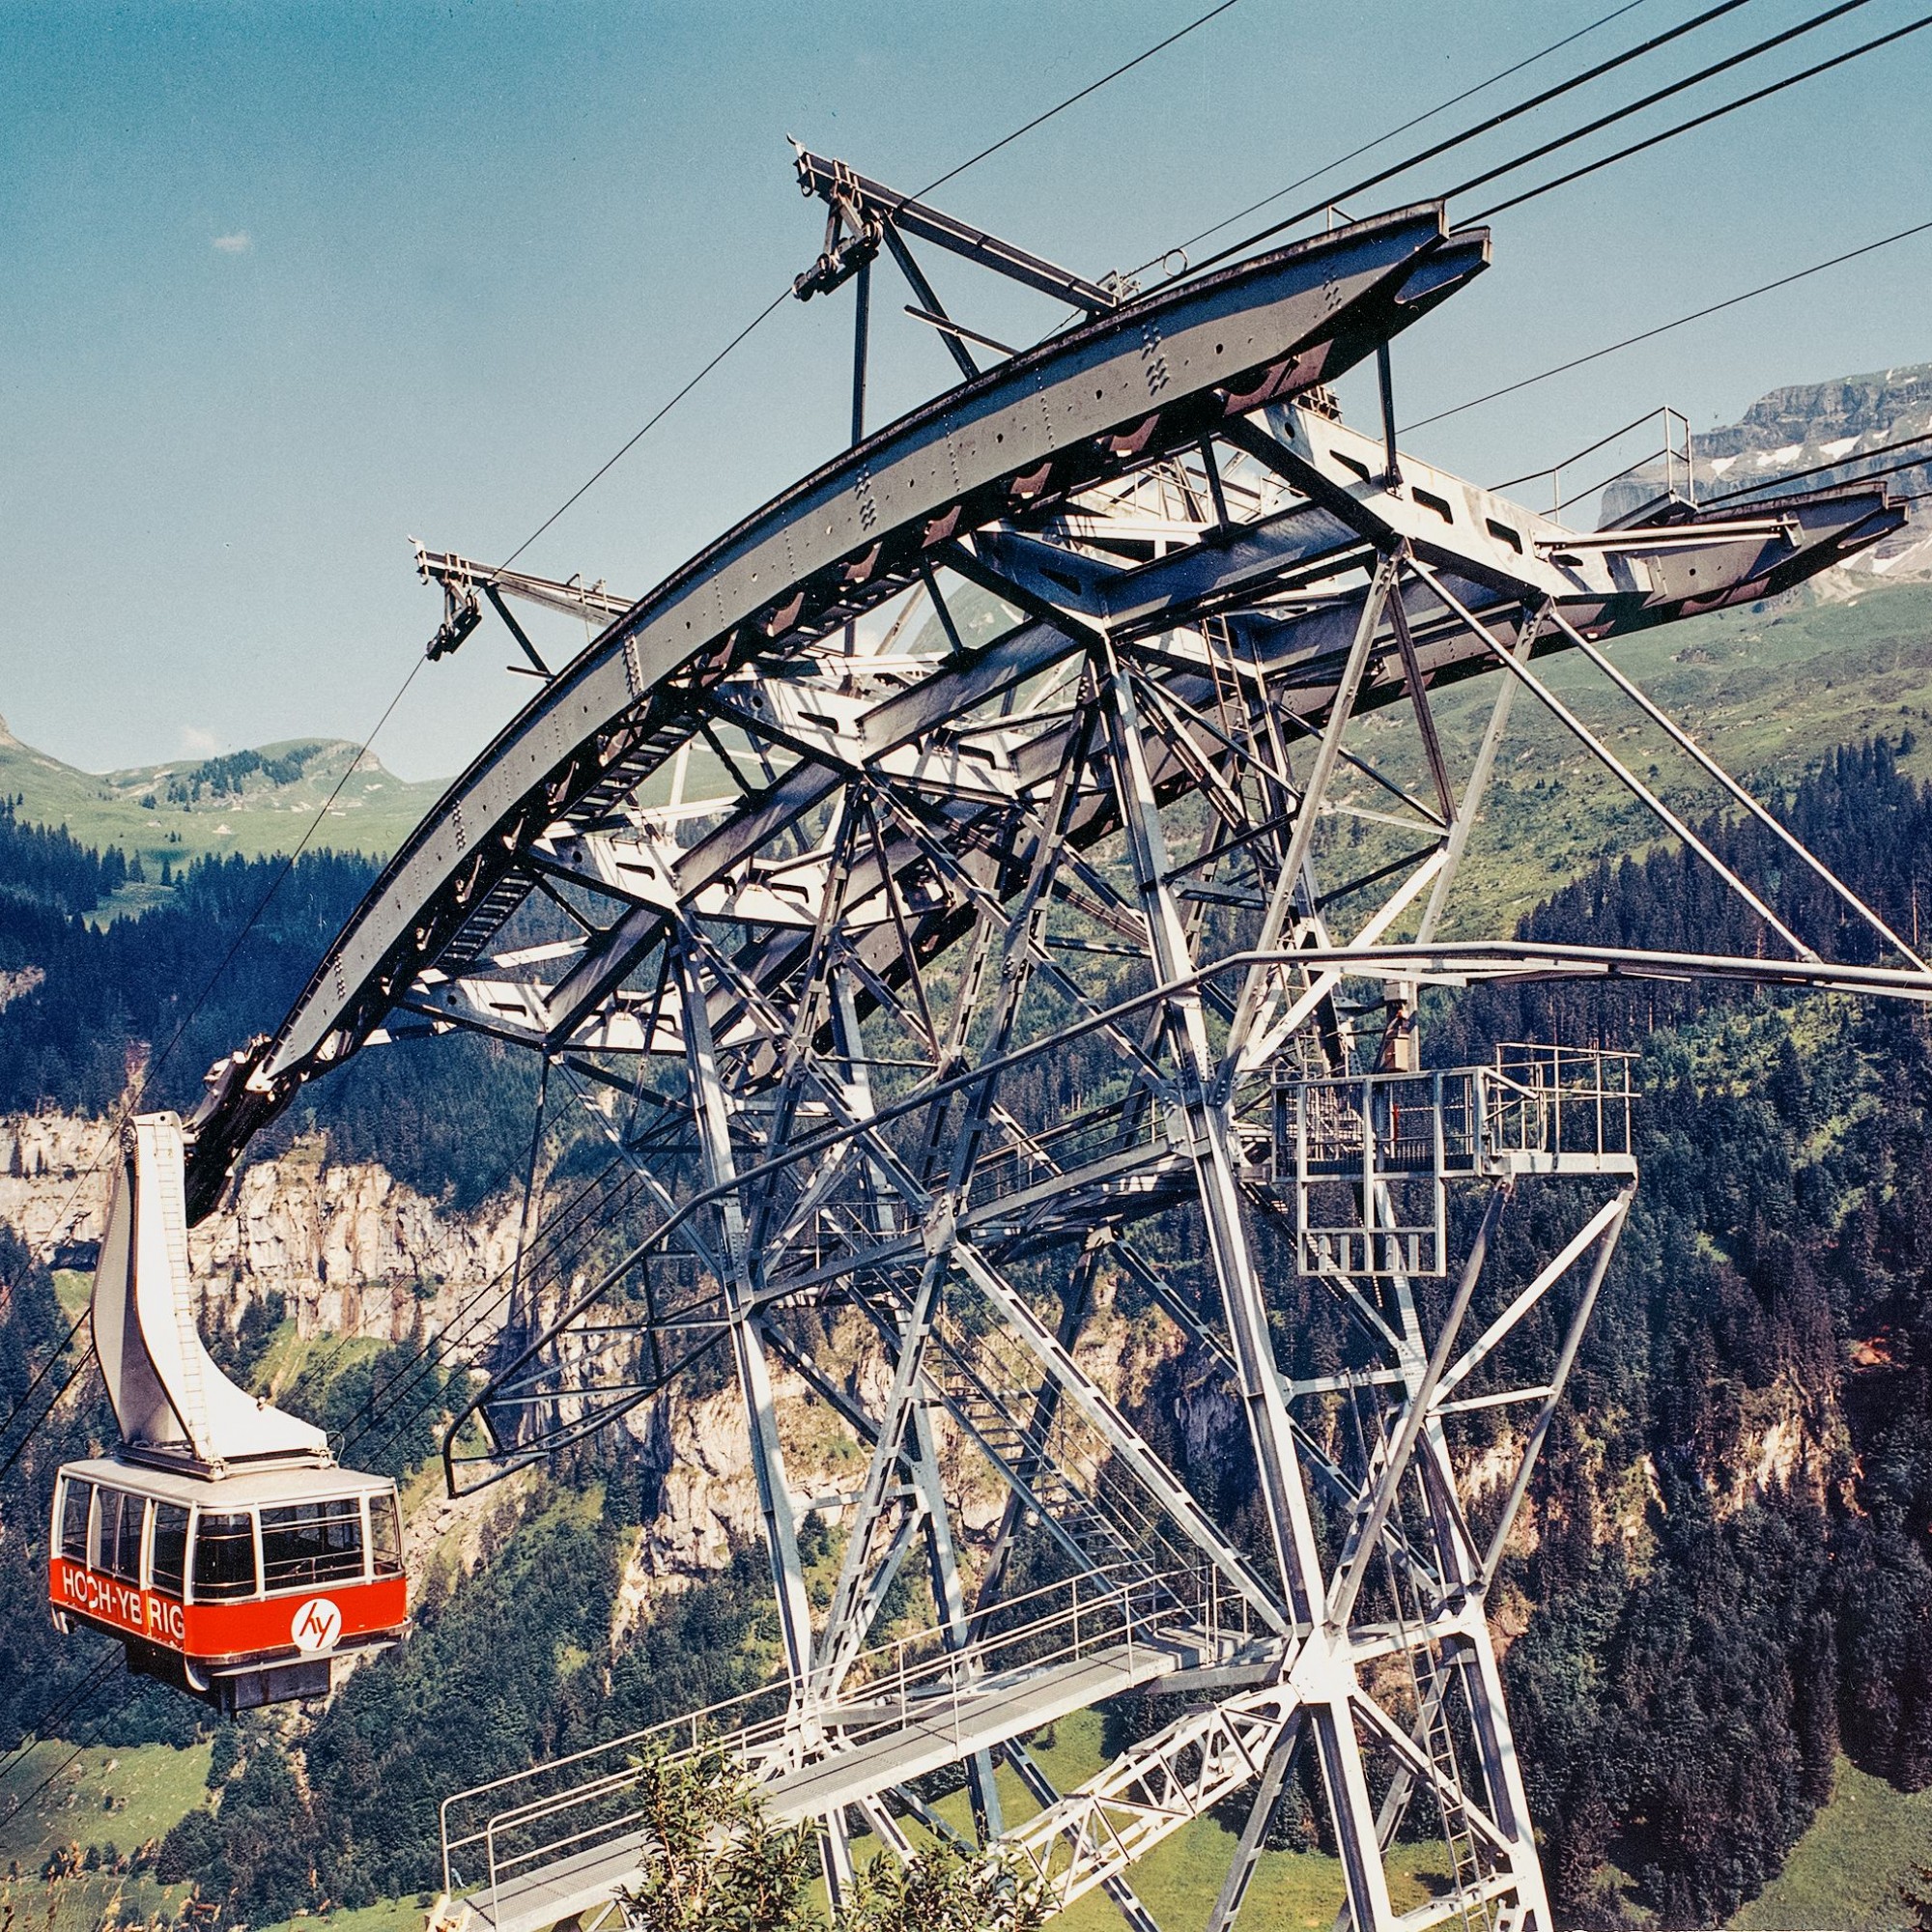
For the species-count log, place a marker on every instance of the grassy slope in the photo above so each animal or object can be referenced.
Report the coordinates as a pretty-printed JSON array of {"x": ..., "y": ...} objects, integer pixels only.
[
  {"x": 150, "y": 1786},
  {"x": 1845, "y": 1873},
  {"x": 1180, "y": 1879},
  {"x": 375, "y": 811},
  {"x": 1847, "y": 1869}
]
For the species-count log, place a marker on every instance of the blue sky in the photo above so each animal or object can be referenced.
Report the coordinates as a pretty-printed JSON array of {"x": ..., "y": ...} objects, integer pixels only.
[{"x": 284, "y": 284}]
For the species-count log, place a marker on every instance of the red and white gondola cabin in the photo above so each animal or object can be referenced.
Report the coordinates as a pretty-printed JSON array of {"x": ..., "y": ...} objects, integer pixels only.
[
  {"x": 244, "y": 1590},
  {"x": 221, "y": 1545}
]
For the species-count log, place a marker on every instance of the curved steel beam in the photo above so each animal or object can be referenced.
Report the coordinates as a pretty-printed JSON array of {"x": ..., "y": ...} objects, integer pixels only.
[{"x": 1116, "y": 392}]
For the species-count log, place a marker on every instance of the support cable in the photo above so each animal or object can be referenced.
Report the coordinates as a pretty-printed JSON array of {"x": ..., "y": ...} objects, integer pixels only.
[
  {"x": 419, "y": 1362},
  {"x": 598, "y": 475},
  {"x": 1658, "y": 139},
  {"x": 777, "y": 301},
  {"x": 58, "y": 1712},
  {"x": 1415, "y": 121},
  {"x": 468, "y": 1316},
  {"x": 21, "y": 1805},
  {"x": 1501, "y": 118},
  {"x": 1683, "y": 86},
  {"x": 19, "y": 1448},
  {"x": 1092, "y": 87},
  {"x": 47, "y": 1369},
  {"x": 1825, "y": 468}
]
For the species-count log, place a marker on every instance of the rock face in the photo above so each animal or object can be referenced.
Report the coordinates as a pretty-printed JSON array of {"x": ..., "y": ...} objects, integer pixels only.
[
  {"x": 352, "y": 1249},
  {"x": 347, "y": 1245},
  {"x": 1850, "y": 405},
  {"x": 53, "y": 1180}
]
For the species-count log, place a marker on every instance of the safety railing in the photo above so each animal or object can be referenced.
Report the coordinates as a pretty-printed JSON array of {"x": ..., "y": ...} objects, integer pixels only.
[
  {"x": 1550, "y": 1099},
  {"x": 1369, "y": 1156},
  {"x": 496, "y": 1834},
  {"x": 1664, "y": 471},
  {"x": 1091, "y": 1138},
  {"x": 1387, "y": 1124}
]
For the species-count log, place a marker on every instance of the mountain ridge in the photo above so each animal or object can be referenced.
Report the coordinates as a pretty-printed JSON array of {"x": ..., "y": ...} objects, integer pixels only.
[
  {"x": 259, "y": 800},
  {"x": 1842, "y": 427}
]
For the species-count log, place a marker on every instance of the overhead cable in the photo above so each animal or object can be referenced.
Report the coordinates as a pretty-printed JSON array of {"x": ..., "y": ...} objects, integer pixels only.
[
  {"x": 45, "y": 1368},
  {"x": 1092, "y": 87},
  {"x": 22, "y": 1803},
  {"x": 1665, "y": 327},
  {"x": 575, "y": 497},
  {"x": 63, "y": 1706},
  {"x": 1500, "y": 119},
  {"x": 1756, "y": 52},
  {"x": 777, "y": 301},
  {"x": 591, "y": 482},
  {"x": 1918, "y": 25},
  {"x": 1414, "y": 121},
  {"x": 19, "y": 1448},
  {"x": 469, "y": 1315}
]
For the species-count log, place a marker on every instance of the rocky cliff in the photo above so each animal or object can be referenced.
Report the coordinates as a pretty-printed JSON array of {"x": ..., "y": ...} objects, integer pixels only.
[
  {"x": 347, "y": 1246},
  {"x": 350, "y": 1249}
]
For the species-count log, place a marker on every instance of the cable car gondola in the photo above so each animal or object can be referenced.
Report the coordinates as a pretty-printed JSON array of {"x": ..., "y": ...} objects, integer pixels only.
[{"x": 220, "y": 1543}]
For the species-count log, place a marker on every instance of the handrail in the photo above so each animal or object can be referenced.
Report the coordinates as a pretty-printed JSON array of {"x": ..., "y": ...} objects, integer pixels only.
[
  {"x": 722, "y": 1704},
  {"x": 942, "y": 1689}
]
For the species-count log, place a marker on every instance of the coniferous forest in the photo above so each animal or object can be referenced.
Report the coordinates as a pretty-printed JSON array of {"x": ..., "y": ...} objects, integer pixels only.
[{"x": 1728, "y": 1582}]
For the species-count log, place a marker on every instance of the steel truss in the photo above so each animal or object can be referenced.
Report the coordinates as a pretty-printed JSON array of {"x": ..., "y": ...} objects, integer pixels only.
[{"x": 991, "y": 893}]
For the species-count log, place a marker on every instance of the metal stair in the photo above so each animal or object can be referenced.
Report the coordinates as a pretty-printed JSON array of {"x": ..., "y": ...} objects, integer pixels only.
[{"x": 995, "y": 1398}]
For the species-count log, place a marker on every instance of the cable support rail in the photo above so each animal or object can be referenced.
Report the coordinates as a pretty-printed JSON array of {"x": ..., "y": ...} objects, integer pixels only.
[
  {"x": 910, "y": 1681},
  {"x": 1089, "y": 1150},
  {"x": 1093, "y": 1138}
]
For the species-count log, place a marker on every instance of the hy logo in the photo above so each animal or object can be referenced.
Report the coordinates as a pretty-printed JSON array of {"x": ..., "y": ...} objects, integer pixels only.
[{"x": 317, "y": 1626}]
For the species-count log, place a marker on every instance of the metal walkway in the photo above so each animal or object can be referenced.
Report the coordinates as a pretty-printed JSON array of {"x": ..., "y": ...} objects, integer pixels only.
[{"x": 555, "y": 1844}]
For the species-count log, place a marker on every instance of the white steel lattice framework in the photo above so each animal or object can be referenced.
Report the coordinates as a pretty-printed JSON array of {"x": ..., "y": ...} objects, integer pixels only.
[{"x": 989, "y": 890}]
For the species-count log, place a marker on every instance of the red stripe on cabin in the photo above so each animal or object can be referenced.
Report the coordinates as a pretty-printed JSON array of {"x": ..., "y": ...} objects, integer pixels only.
[{"x": 217, "y": 1633}]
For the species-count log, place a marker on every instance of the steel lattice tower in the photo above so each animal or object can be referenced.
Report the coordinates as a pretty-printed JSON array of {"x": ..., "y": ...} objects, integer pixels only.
[{"x": 993, "y": 887}]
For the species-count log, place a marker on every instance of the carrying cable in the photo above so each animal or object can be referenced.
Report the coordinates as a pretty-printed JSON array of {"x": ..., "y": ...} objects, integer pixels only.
[
  {"x": 47, "y": 1369},
  {"x": 1500, "y": 119},
  {"x": 1683, "y": 86},
  {"x": 21, "y": 1804},
  {"x": 1825, "y": 468},
  {"x": 1918, "y": 25},
  {"x": 19, "y": 1449},
  {"x": 1180, "y": 248},
  {"x": 1092, "y": 87},
  {"x": 777, "y": 301},
  {"x": 1665, "y": 327},
  {"x": 470, "y": 1314},
  {"x": 575, "y": 497},
  {"x": 58, "y": 1712},
  {"x": 583, "y": 489}
]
